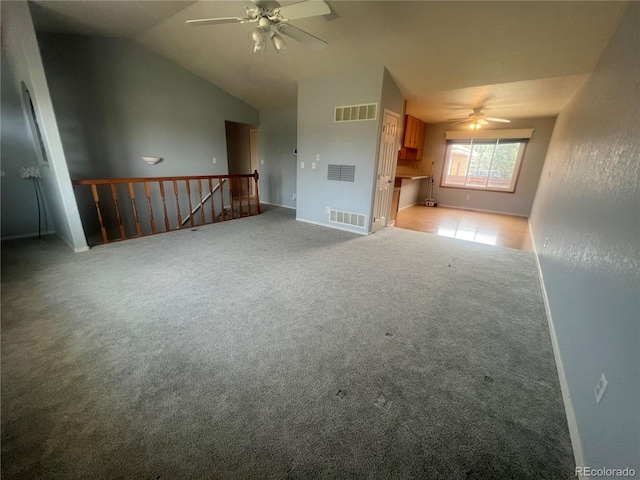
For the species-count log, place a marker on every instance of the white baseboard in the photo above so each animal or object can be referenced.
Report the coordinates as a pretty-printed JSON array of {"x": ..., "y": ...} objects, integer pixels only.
[
  {"x": 483, "y": 210},
  {"x": 278, "y": 205},
  {"x": 416, "y": 203},
  {"x": 574, "y": 433},
  {"x": 331, "y": 226},
  {"x": 27, "y": 235}
]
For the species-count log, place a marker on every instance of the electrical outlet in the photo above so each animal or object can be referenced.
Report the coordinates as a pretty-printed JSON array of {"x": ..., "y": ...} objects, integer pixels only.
[
  {"x": 262, "y": 161},
  {"x": 301, "y": 164},
  {"x": 317, "y": 157},
  {"x": 600, "y": 388},
  {"x": 468, "y": 197},
  {"x": 327, "y": 209},
  {"x": 313, "y": 165},
  {"x": 215, "y": 160}
]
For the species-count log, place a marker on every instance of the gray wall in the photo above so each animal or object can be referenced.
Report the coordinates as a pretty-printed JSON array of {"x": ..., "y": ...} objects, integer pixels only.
[
  {"x": 25, "y": 65},
  {"x": 19, "y": 208},
  {"x": 588, "y": 204},
  {"x": 277, "y": 141},
  {"x": 348, "y": 143},
  {"x": 518, "y": 203},
  {"x": 411, "y": 192},
  {"x": 117, "y": 101}
]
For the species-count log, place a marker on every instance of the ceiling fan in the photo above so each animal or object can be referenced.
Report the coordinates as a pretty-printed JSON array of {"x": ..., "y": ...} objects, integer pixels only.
[
  {"x": 273, "y": 20},
  {"x": 477, "y": 119}
]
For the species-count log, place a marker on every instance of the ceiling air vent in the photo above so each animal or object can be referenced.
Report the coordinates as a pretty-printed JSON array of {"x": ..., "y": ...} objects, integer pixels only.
[
  {"x": 356, "y": 113},
  {"x": 341, "y": 173},
  {"x": 348, "y": 218}
]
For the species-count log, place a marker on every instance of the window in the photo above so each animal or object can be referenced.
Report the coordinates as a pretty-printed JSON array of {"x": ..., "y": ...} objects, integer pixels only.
[{"x": 483, "y": 164}]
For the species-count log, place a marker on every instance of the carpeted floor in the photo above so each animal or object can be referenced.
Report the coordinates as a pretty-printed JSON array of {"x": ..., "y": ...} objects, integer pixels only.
[{"x": 269, "y": 348}]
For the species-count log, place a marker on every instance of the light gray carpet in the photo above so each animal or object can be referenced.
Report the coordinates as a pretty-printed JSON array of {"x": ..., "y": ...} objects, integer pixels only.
[{"x": 269, "y": 348}]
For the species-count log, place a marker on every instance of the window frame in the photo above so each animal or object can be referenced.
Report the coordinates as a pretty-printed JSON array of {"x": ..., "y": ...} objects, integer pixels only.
[{"x": 469, "y": 144}]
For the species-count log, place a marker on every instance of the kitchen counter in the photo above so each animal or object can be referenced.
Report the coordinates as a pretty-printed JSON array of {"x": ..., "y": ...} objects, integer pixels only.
[{"x": 412, "y": 177}]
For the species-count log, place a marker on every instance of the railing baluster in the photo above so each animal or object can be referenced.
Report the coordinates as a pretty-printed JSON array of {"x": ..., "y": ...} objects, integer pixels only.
[
  {"x": 151, "y": 219},
  {"x": 96, "y": 199},
  {"x": 256, "y": 177},
  {"x": 175, "y": 191},
  {"x": 213, "y": 209},
  {"x": 232, "y": 210},
  {"x": 167, "y": 225},
  {"x": 187, "y": 182},
  {"x": 132, "y": 195},
  {"x": 221, "y": 188},
  {"x": 201, "y": 203},
  {"x": 239, "y": 183},
  {"x": 114, "y": 193},
  {"x": 248, "y": 196}
]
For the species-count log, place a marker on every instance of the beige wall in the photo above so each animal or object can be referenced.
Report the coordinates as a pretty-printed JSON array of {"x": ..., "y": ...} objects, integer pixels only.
[{"x": 518, "y": 203}]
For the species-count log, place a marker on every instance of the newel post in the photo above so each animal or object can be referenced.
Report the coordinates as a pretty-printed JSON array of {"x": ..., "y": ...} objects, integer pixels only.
[{"x": 256, "y": 176}]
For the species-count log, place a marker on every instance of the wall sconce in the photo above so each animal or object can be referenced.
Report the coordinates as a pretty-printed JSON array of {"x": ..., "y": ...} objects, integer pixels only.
[{"x": 151, "y": 160}]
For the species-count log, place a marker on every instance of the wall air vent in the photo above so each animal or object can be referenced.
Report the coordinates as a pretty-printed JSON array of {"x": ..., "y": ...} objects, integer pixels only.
[
  {"x": 348, "y": 218},
  {"x": 341, "y": 173},
  {"x": 356, "y": 113}
]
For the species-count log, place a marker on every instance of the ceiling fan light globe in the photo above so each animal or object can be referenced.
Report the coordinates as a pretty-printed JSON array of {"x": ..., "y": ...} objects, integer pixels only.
[
  {"x": 256, "y": 37},
  {"x": 258, "y": 49},
  {"x": 278, "y": 43}
]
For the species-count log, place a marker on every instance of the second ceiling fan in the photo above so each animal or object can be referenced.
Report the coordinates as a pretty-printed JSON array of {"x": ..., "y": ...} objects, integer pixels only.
[
  {"x": 273, "y": 20},
  {"x": 477, "y": 119}
]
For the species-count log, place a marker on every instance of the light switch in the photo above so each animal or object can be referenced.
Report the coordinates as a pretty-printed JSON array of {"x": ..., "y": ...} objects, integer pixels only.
[
  {"x": 313, "y": 165},
  {"x": 301, "y": 164}
]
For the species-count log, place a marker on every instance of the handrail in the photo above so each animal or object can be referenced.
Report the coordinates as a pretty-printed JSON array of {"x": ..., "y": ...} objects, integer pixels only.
[
  {"x": 105, "y": 181},
  {"x": 128, "y": 219}
]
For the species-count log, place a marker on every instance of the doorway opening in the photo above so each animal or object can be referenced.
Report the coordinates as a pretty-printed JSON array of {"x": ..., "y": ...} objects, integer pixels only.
[{"x": 242, "y": 154}]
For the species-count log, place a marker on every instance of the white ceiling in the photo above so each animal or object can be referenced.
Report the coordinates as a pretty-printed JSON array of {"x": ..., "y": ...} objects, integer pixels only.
[{"x": 518, "y": 59}]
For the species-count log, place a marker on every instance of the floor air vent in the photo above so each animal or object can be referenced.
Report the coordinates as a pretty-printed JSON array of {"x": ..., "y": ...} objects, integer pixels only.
[
  {"x": 348, "y": 218},
  {"x": 355, "y": 113}
]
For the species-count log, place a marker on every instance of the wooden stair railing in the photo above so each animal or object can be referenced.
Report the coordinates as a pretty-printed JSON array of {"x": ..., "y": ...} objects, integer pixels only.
[{"x": 239, "y": 205}]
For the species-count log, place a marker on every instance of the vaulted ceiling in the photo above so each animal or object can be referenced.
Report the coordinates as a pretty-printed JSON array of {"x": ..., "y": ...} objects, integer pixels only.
[{"x": 517, "y": 59}]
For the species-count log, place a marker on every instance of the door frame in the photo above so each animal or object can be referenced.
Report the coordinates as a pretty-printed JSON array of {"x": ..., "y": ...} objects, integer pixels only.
[
  {"x": 393, "y": 169},
  {"x": 253, "y": 148}
]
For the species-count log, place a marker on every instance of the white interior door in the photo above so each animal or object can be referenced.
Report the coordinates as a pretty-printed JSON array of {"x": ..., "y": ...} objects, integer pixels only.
[{"x": 386, "y": 166}]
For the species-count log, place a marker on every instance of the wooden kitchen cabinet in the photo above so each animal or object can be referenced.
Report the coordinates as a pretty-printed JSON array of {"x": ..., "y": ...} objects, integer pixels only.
[{"x": 413, "y": 140}]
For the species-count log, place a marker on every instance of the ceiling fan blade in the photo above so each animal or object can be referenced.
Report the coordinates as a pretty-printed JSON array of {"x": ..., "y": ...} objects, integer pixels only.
[
  {"x": 301, "y": 36},
  {"x": 310, "y": 8},
  {"x": 266, "y": 4},
  {"x": 482, "y": 121},
  {"x": 456, "y": 121},
  {"x": 217, "y": 21},
  {"x": 500, "y": 120}
]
